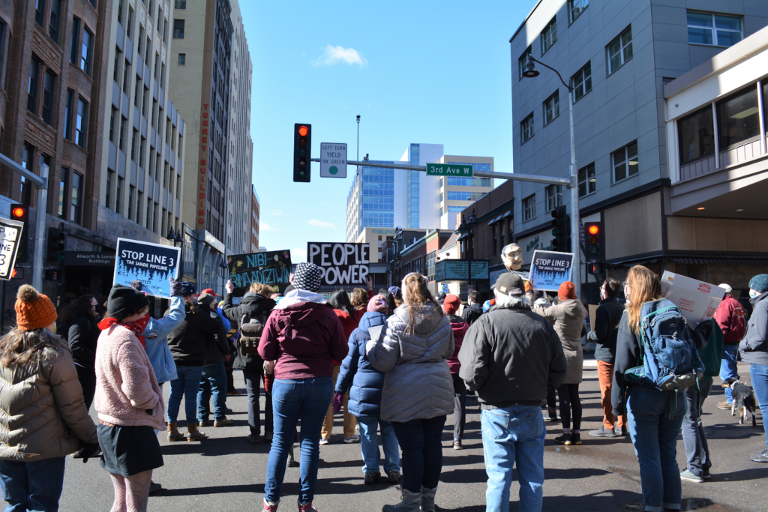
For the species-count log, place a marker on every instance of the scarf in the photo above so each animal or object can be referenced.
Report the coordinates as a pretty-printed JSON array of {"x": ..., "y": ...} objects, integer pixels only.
[{"x": 137, "y": 327}]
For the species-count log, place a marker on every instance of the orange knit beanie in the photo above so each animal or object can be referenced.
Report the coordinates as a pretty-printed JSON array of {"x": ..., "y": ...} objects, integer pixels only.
[
  {"x": 33, "y": 310},
  {"x": 567, "y": 291}
]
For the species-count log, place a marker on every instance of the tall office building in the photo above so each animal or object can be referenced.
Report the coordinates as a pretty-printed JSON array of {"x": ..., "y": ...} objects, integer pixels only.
[
  {"x": 200, "y": 74},
  {"x": 618, "y": 55},
  {"x": 255, "y": 213},
  {"x": 389, "y": 198},
  {"x": 240, "y": 169}
]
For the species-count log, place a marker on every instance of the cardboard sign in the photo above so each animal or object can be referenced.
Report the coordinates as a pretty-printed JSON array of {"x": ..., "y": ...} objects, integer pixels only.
[
  {"x": 697, "y": 300},
  {"x": 272, "y": 268},
  {"x": 592, "y": 315},
  {"x": 10, "y": 234},
  {"x": 152, "y": 264},
  {"x": 341, "y": 263},
  {"x": 550, "y": 269}
]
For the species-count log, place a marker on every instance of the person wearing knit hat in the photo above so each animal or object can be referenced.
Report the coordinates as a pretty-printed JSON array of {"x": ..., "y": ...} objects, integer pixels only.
[
  {"x": 568, "y": 318},
  {"x": 307, "y": 277},
  {"x": 378, "y": 304},
  {"x": 451, "y": 305},
  {"x": 754, "y": 349},
  {"x": 44, "y": 415}
]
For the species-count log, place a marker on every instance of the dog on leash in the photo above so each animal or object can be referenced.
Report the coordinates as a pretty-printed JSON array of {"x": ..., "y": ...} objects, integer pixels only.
[{"x": 743, "y": 400}]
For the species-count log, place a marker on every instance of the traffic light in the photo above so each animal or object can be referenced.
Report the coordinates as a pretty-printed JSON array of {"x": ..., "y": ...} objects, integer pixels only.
[
  {"x": 595, "y": 245},
  {"x": 57, "y": 240},
  {"x": 560, "y": 229},
  {"x": 20, "y": 212},
  {"x": 302, "y": 152},
  {"x": 51, "y": 274},
  {"x": 594, "y": 268}
]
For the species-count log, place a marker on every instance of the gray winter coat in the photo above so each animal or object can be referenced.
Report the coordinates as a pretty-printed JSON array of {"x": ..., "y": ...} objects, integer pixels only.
[
  {"x": 418, "y": 383},
  {"x": 568, "y": 317}
]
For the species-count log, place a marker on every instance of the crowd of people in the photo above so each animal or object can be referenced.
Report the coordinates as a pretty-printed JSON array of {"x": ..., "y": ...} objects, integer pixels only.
[{"x": 397, "y": 361}]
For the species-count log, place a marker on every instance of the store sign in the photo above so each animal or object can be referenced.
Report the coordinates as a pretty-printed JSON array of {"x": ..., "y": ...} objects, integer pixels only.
[
  {"x": 462, "y": 270},
  {"x": 89, "y": 259}
]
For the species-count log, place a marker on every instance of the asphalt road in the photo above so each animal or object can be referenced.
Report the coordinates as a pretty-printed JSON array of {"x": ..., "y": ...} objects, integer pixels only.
[{"x": 225, "y": 472}]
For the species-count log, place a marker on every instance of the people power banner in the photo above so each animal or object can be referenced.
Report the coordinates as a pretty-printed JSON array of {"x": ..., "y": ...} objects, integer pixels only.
[
  {"x": 152, "y": 264},
  {"x": 550, "y": 269},
  {"x": 272, "y": 268},
  {"x": 341, "y": 263}
]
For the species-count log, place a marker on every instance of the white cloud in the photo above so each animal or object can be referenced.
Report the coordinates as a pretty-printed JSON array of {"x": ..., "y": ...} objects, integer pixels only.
[
  {"x": 320, "y": 224},
  {"x": 276, "y": 213},
  {"x": 266, "y": 227},
  {"x": 333, "y": 55}
]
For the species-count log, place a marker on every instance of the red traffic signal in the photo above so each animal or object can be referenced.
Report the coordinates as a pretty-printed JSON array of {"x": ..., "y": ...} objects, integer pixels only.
[
  {"x": 302, "y": 152},
  {"x": 593, "y": 229},
  {"x": 19, "y": 212},
  {"x": 303, "y": 131}
]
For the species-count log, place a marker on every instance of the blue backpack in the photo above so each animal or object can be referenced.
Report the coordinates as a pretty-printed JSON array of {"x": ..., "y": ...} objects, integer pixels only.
[{"x": 670, "y": 360}]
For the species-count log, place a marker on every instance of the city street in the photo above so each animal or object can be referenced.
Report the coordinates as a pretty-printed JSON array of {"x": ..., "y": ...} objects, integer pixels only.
[{"x": 226, "y": 472}]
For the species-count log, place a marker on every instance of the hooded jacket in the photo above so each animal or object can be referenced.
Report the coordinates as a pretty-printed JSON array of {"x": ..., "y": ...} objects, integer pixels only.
[
  {"x": 472, "y": 313},
  {"x": 217, "y": 352},
  {"x": 418, "y": 383},
  {"x": 156, "y": 340},
  {"x": 732, "y": 319},
  {"x": 43, "y": 414},
  {"x": 82, "y": 335},
  {"x": 459, "y": 328},
  {"x": 253, "y": 304},
  {"x": 190, "y": 340},
  {"x": 754, "y": 346},
  {"x": 568, "y": 317},
  {"x": 356, "y": 370},
  {"x": 606, "y": 329},
  {"x": 304, "y": 336},
  {"x": 511, "y": 355},
  {"x": 348, "y": 323}
]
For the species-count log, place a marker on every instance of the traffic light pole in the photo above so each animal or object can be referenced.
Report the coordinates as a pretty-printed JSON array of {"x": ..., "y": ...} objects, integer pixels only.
[{"x": 575, "y": 212}]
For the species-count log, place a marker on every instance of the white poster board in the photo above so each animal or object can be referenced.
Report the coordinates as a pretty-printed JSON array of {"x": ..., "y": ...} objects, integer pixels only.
[{"x": 697, "y": 300}]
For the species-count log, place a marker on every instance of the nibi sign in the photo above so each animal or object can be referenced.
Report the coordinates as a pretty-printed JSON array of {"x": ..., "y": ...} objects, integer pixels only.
[
  {"x": 333, "y": 160},
  {"x": 463, "y": 170}
]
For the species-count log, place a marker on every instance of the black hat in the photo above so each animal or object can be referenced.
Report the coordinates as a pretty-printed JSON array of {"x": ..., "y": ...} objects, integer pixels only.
[
  {"x": 510, "y": 283},
  {"x": 187, "y": 289},
  {"x": 206, "y": 300},
  {"x": 440, "y": 297},
  {"x": 124, "y": 299}
]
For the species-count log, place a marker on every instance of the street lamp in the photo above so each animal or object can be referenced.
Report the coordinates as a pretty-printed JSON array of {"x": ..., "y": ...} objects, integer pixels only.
[{"x": 531, "y": 72}]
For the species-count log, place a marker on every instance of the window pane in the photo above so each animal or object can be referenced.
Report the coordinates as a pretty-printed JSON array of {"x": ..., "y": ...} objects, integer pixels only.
[
  {"x": 738, "y": 118},
  {"x": 726, "y": 38},
  {"x": 632, "y": 157},
  {"x": 699, "y": 20},
  {"x": 699, "y": 36},
  {"x": 68, "y": 114},
  {"x": 628, "y": 51},
  {"x": 728, "y": 22},
  {"x": 73, "y": 40},
  {"x": 697, "y": 135},
  {"x": 32, "y": 85}
]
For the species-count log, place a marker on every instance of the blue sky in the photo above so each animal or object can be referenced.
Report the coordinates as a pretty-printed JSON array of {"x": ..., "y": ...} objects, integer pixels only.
[{"x": 419, "y": 71}]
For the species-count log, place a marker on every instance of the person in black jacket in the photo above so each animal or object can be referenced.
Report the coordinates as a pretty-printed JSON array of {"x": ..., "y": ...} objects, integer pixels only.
[
  {"x": 79, "y": 326},
  {"x": 604, "y": 332},
  {"x": 475, "y": 308},
  {"x": 188, "y": 343},
  {"x": 214, "y": 378}
]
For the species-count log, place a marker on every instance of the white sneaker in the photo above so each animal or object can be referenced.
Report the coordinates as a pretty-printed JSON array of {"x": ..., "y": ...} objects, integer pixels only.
[
  {"x": 354, "y": 439},
  {"x": 325, "y": 441}
]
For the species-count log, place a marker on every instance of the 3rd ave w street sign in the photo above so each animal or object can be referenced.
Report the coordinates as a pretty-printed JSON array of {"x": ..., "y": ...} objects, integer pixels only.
[{"x": 463, "y": 170}]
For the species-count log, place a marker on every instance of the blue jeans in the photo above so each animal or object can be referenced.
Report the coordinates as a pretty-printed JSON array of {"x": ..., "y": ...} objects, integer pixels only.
[
  {"x": 694, "y": 438},
  {"x": 728, "y": 368},
  {"x": 33, "y": 486},
  {"x": 514, "y": 435},
  {"x": 759, "y": 373},
  {"x": 307, "y": 399},
  {"x": 654, "y": 423},
  {"x": 186, "y": 385},
  {"x": 422, "y": 452},
  {"x": 369, "y": 444},
  {"x": 214, "y": 378}
]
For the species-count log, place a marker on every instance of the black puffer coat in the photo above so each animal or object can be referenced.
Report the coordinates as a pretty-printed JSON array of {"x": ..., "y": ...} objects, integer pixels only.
[
  {"x": 82, "y": 334},
  {"x": 252, "y": 304}
]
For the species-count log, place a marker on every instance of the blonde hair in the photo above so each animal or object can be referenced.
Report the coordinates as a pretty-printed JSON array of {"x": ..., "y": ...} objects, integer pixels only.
[
  {"x": 645, "y": 287},
  {"x": 416, "y": 293},
  {"x": 261, "y": 289}
]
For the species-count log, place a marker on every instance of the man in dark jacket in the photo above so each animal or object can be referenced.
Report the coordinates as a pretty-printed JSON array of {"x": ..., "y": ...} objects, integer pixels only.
[
  {"x": 510, "y": 357},
  {"x": 604, "y": 332},
  {"x": 732, "y": 319},
  {"x": 474, "y": 310},
  {"x": 214, "y": 378},
  {"x": 754, "y": 349}
]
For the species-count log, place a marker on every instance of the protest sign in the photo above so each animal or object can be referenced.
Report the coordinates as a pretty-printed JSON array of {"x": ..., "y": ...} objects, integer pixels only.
[
  {"x": 341, "y": 263},
  {"x": 697, "y": 300},
  {"x": 593, "y": 315},
  {"x": 550, "y": 269},
  {"x": 152, "y": 264},
  {"x": 272, "y": 268}
]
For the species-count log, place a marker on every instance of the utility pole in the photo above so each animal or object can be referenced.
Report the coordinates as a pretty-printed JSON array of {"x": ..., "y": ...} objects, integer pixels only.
[{"x": 358, "y": 142}]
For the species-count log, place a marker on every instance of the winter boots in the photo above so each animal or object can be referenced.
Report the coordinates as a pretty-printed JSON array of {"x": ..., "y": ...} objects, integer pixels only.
[
  {"x": 193, "y": 434},
  {"x": 410, "y": 502},
  {"x": 428, "y": 499},
  {"x": 173, "y": 433}
]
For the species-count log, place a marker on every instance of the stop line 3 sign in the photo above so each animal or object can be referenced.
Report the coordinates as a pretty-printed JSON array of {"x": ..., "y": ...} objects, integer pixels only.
[{"x": 333, "y": 160}]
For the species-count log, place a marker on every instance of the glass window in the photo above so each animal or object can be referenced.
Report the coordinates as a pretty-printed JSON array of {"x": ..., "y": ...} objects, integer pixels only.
[
  {"x": 77, "y": 198},
  {"x": 765, "y": 102},
  {"x": 86, "y": 51},
  {"x": 48, "y": 86},
  {"x": 32, "y": 85},
  {"x": 63, "y": 192},
  {"x": 529, "y": 207},
  {"x": 620, "y": 50},
  {"x": 126, "y": 77},
  {"x": 182, "y": 59},
  {"x": 181, "y": 4},
  {"x": 714, "y": 29},
  {"x": 582, "y": 82},
  {"x": 68, "y": 114},
  {"x": 81, "y": 121},
  {"x": 93, "y": 3},
  {"x": 130, "y": 21},
  {"x": 108, "y": 190},
  {"x": 554, "y": 195},
  {"x": 526, "y": 129},
  {"x": 548, "y": 36},
  {"x": 123, "y": 133},
  {"x": 575, "y": 8},
  {"x": 141, "y": 41},
  {"x": 119, "y": 195},
  {"x": 454, "y": 195},
  {"x": 134, "y": 144},
  {"x": 26, "y": 162},
  {"x": 2, "y": 52},
  {"x": 587, "y": 184},
  {"x": 131, "y": 208},
  {"x": 74, "y": 38},
  {"x": 139, "y": 210},
  {"x": 552, "y": 108},
  {"x": 522, "y": 62},
  {"x": 120, "y": 12},
  {"x": 53, "y": 20},
  {"x": 696, "y": 132},
  {"x": 178, "y": 29},
  {"x": 738, "y": 118},
  {"x": 39, "y": 11},
  {"x": 625, "y": 162}
]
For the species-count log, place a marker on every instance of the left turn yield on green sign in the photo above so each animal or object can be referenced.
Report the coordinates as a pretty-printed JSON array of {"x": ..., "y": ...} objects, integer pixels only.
[{"x": 333, "y": 160}]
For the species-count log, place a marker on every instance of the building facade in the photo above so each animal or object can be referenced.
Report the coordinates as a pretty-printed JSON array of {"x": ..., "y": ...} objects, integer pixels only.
[
  {"x": 616, "y": 55},
  {"x": 255, "y": 212}
]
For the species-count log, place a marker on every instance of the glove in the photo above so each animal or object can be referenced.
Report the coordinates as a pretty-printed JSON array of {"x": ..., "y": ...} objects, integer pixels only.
[
  {"x": 337, "y": 402},
  {"x": 592, "y": 336},
  {"x": 268, "y": 380},
  {"x": 90, "y": 450},
  {"x": 176, "y": 289},
  {"x": 541, "y": 302}
]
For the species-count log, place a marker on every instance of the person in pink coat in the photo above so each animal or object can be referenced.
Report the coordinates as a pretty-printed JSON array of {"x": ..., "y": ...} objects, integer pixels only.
[{"x": 459, "y": 327}]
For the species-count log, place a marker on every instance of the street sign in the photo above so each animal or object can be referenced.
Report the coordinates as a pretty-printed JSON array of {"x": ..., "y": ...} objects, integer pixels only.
[
  {"x": 463, "y": 170},
  {"x": 10, "y": 234},
  {"x": 333, "y": 160}
]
